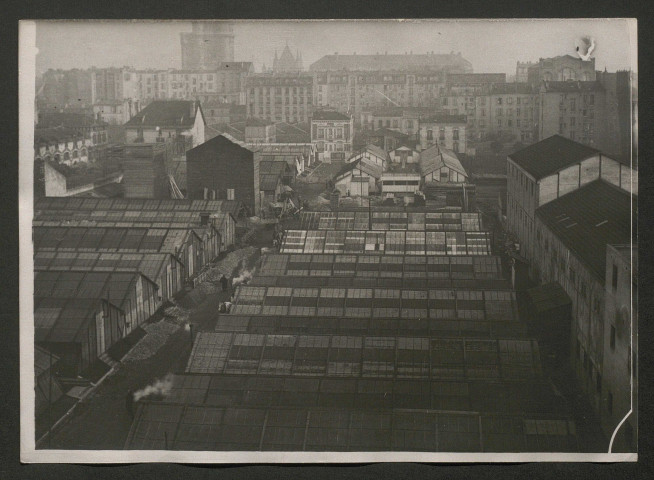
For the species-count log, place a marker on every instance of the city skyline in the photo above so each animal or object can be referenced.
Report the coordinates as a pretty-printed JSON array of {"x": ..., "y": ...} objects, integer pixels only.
[{"x": 489, "y": 46}]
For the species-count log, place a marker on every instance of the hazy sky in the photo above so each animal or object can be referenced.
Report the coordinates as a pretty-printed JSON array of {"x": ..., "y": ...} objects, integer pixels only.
[{"x": 491, "y": 46}]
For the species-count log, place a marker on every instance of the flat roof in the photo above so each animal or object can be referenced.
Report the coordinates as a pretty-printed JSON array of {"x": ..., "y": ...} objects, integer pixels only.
[{"x": 588, "y": 219}]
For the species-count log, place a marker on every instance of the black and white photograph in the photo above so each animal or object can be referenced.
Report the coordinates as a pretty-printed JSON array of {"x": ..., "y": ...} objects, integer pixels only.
[{"x": 300, "y": 241}]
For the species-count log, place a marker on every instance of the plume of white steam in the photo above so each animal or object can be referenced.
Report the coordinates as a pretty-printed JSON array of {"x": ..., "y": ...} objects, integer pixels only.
[
  {"x": 242, "y": 277},
  {"x": 585, "y": 47},
  {"x": 160, "y": 387}
]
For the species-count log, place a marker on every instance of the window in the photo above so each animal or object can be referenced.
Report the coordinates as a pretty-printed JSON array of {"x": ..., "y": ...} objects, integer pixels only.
[
  {"x": 614, "y": 278},
  {"x": 612, "y": 341}
]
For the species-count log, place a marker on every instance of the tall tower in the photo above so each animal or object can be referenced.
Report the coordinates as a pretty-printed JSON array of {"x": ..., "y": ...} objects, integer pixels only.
[{"x": 207, "y": 45}]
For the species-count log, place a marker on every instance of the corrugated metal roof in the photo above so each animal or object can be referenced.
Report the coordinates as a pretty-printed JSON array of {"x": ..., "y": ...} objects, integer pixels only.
[{"x": 588, "y": 219}]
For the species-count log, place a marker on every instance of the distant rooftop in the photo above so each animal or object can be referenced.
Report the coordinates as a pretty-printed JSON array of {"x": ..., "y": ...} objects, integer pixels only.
[
  {"x": 68, "y": 120},
  {"x": 165, "y": 113},
  {"x": 329, "y": 115},
  {"x": 391, "y": 62}
]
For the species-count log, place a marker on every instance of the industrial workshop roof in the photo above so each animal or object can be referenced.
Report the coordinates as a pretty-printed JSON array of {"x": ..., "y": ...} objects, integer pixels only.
[
  {"x": 588, "y": 219},
  {"x": 386, "y": 242}
]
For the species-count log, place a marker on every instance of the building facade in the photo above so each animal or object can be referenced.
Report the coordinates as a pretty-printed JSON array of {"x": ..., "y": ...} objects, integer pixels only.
[
  {"x": 575, "y": 110},
  {"x": 280, "y": 98},
  {"x": 561, "y": 69},
  {"x": 448, "y": 131},
  {"x": 512, "y": 110},
  {"x": 225, "y": 169},
  {"x": 572, "y": 236},
  {"x": 619, "y": 379},
  {"x": 547, "y": 170},
  {"x": 359, "y": 91},
  {"x": 331, "y": 133},
  {"x": 164, "y": 120}
]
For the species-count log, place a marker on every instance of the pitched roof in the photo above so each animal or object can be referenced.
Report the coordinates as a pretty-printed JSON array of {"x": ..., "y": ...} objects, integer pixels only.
[
  {"x": 551, "y": 155},
  {"x": 371, "y": 148},
  {"x": 375, "y": 150},
  {"x": 216, "y": 142},
  {"x": 436, "y": 157},
  {"x": 329, "y": 115},
  {"x": 588, "y": 219},
  {"x": 347, "y": 167},
  {"x": 268, "y": 182},
  {"x": 168, "y": 113},
  {"x": 387, "y": 132}
]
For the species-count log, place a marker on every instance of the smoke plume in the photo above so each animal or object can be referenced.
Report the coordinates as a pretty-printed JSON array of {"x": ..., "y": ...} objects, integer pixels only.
[
  {"x": 159, "y": 388},
  {"x": 242, "y": 277}
]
